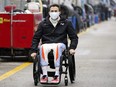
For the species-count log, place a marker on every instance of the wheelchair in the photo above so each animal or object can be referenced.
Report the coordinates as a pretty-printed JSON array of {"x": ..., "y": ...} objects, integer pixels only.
[{"x": 67, "y": 64}]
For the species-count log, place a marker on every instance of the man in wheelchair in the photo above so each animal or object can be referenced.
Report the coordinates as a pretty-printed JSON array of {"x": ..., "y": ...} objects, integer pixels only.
[{"x": 53, "y": 32}]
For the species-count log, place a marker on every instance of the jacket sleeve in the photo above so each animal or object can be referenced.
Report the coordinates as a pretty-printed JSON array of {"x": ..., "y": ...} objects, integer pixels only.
[
  {"x": 72, "y": 35},
  {"x": 36, "y": 39}
]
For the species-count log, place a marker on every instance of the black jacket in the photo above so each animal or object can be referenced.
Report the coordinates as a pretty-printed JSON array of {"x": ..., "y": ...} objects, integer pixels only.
[{"x": 50, "y": 34}]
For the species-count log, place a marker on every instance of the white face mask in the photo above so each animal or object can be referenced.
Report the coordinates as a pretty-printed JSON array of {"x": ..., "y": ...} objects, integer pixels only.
[{"x": 54, "y": 15}]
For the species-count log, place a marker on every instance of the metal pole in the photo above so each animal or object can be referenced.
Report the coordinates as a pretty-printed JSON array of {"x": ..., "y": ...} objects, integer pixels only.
[
  {"x": 11, "y": 28},
  {"x": 41, "y": 6},
  {"x": 21, "y": 4}
]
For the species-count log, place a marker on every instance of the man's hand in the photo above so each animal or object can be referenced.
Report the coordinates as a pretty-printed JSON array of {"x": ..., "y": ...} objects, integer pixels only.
[
  {"x": 33, "y": 55},
  {"x": 72, "y": 51}
]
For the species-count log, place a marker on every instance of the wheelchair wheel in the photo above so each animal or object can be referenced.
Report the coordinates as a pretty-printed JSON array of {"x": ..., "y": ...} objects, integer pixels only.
[
  {"x": 36, "y": 70},
  {"x": 72, "y": 69}
]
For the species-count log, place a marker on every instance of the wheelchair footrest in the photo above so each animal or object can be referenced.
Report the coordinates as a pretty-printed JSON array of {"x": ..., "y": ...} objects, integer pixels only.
[
  {"x": 50, "y": 83},
  {"x": 51, "y": 73}
]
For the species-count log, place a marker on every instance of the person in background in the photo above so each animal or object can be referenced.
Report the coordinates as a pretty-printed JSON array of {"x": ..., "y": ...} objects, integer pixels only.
[{"x": 32, "y": 7}]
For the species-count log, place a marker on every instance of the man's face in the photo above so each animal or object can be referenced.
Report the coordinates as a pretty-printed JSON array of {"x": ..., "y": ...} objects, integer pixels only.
[
  {"x": 54, "y": 13},
  {"x": 54, "y": 9}
]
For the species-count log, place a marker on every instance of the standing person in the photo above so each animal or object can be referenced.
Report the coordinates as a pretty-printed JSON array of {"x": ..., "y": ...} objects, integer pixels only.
[
  {"x": 53, "y": 33},
  {"x": 33, "y": 7},
  {"x": 26, "y": 6}
]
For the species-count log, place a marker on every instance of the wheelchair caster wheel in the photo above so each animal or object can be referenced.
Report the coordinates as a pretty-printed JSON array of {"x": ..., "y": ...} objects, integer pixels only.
[
  {"x": 66, "y": 81},
  {"x": 35, "y": 83}
]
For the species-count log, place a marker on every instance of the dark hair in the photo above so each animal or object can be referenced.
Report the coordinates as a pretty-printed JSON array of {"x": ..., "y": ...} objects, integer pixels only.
[
  {"x": 28, "y": 1},
  {"x": 55, "y": 5}
]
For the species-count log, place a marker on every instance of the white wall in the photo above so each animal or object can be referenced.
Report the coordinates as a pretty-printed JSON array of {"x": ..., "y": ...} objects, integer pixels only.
[
  {"x": 56, "y": 1},
  {"x": 94, "y": 2},
  {"x": 59, "y": 1},
  {"x": 66, "y": 2}
]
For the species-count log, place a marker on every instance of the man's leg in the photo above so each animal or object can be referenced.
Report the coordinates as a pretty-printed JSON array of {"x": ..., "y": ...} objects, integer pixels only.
[
  {"x": 58, "y": 49},
  {"x": 44, "y": 50},
  {"x": 58, "y": 52}
]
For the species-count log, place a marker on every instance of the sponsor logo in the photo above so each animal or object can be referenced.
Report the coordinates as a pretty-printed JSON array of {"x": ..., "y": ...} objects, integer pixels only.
[
  {"x": 6, "y": 20},
  {"x": 19, "y": 20},
  {"x": 1, "y": 20}
]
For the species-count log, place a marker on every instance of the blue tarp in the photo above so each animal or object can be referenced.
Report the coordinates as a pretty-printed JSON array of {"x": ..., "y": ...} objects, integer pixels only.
[{"x": 73, "y": 20}]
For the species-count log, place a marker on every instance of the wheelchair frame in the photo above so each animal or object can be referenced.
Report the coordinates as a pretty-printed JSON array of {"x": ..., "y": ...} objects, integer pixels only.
[{"x": 69, "y": 63}]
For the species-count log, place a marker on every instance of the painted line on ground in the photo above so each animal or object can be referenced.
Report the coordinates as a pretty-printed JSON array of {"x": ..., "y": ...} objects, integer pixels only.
[{"x": 15, "y": 70}]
